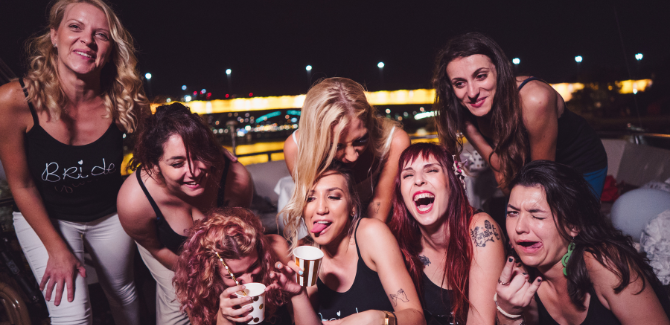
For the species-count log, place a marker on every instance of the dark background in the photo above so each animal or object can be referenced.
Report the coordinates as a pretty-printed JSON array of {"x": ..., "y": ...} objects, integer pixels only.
[{"x": 267, "y": 44}]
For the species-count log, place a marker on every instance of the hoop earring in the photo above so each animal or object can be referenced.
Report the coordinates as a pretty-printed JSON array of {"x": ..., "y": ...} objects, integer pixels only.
[{"x": 567, "y": 255}]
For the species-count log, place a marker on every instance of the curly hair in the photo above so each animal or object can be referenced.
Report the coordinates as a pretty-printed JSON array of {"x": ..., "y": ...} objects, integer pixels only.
[
  {"x": 329, "y": 107},
  {"x": 510, "y": 136},
  {"x": 121, "y": 85},
  {"x": 458, "y": 216},
  {"x": 232, "y": 233},
  {"x": 155, "y": 130}
]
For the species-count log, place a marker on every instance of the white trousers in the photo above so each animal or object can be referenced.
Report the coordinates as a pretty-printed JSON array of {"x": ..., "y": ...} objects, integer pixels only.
[
  {"x": 167, "y": 306},
  {"x": 111, "y": 249}
]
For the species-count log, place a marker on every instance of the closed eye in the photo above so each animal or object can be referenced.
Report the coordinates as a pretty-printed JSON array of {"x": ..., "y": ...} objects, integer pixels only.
[{"x": 407, "y": 175}]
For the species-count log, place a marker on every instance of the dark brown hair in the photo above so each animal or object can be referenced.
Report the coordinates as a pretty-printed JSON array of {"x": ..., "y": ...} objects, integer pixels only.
[
  {"x": 199, "y": 141},
  {"x": 511, "y": 143}
]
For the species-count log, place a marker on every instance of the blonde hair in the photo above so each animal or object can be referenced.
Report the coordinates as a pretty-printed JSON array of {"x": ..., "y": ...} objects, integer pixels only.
[
  {"x": 121, "y": 84},
  {"x": 329, "y": 107}
]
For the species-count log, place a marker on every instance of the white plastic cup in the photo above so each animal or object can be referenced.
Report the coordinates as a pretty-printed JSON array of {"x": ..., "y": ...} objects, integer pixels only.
[
  {"x": 309, "y": 259},
  {"x": 257, "y": 292}
]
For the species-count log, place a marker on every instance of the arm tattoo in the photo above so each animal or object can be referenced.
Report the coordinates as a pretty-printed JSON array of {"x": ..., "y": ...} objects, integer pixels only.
[
  {"x": 483, "y": 235},
  {"x": 424, "y": 260},
  {"x": 398, "y": 296},
  {"x": 378, "y": 206}
]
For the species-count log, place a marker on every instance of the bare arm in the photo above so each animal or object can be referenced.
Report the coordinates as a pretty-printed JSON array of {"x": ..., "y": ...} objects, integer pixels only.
[
  {"x": 380, "y": 251},
  {"x": 380, "y": 206},
  {"x": 239, "y": 186},
  {"x": 139, "y": 221},
  {"x": 487, "y": 263},
  {"x": 479, "y": 143},
  {"x": 62, "y": 265},
  {"x": 628, "y": 306},
  {"x": 540, "y": 118},
  {"x": 290, "y": 152}
]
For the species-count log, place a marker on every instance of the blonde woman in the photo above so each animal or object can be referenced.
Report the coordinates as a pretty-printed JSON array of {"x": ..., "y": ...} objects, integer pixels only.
[
  {"x": 338, "y": 123},
  {"x": 62, "y": 130}
]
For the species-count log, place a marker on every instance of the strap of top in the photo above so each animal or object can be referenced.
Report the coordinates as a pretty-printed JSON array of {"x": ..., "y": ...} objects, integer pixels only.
[
  {"x": 30, "y": 105},
  {"x": 356, "y": 239},
  {"x": 387, "y": 145},
  {"x": 159, "y": 215},
  {"x": 523, "y": 83},
  {"x": 294, "y": 138},
  {"x": 222, "y": 185}
]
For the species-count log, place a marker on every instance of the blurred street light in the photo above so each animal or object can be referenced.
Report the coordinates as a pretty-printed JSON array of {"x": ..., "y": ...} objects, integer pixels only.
[
  {"x": 230, "y": 80},
  {"x": 308, "y": 68},
  {"x": 638, "y": 56},
  {"x": 578, "y": 59},
  {"x": 148, "y": 76},
  {"x": 187, "y": 98},
  {"x": 228, "y": 72},
  {"x": 380, "y": 65},
  {"x": 516, "y": 61},
  {"x": 183, "y": 87}
]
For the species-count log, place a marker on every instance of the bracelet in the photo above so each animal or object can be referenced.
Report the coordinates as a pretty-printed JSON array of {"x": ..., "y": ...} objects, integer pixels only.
[
  {"x": 389, "y": 318},
  {"x": 506, "y": 314},
  {"x": 395, "y": 318}
]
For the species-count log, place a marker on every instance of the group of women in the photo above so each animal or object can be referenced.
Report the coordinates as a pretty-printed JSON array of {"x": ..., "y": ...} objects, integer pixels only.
[{"x": 401, "y": 243}]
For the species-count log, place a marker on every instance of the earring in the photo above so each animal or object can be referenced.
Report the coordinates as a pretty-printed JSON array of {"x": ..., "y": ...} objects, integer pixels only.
[{"x": 567, "y": 255}]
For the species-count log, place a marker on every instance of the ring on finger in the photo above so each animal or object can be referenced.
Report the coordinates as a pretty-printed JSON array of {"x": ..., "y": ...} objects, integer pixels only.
[{"x": 503, "y": 283}]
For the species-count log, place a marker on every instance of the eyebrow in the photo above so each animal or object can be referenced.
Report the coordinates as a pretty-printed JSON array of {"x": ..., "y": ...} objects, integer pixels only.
[
  {"x": 175, "y": 158},
  {"x": 512, "y": 207},
  {"x": 334, "y": 188},
  {"x": 424, "y": 166}
]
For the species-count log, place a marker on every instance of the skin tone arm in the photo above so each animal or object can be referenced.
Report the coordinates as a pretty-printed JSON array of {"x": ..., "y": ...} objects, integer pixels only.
[
  {"x": 380, "y": 206},
  {"x": 62, "y": 266},
  {"x": 628, "y": 306},
  {"x": 139, "y": 221},
  {"x": 539, "y": 104},
  {"x": 290, "y": 153},
  {"x": 488, "y": 261},
  {"x": 380, "y": 251},
  {"x": 239, "y": 186}
]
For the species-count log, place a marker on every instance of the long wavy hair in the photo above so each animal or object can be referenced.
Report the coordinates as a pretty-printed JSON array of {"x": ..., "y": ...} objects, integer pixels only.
[
  {"x": 351, "y": 195},
  {"x": 199, "y": 141},
  {"x": 574, "y": 206},
  {"x": 121, "y": 85},
  {"x": 457, "y": 218},
  {"x": 232, "y": 233},
  {"x": 329, "y": 107},
  {"x": 510, "y": 136}
]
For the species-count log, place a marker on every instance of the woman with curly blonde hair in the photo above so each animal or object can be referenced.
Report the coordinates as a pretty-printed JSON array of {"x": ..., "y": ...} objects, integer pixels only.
[
  {"x": 338, "y": 123},
  {"x": 234, "y": 236},
  {"x": 62, "y": 131}
]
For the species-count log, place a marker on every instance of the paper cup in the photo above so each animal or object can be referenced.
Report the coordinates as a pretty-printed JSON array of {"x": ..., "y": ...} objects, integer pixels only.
[
  {"x": 309, "y": 259},
  {"x": 257, "y": 292}
]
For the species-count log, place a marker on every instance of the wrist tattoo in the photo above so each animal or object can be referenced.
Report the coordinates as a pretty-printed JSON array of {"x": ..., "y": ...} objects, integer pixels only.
[{"x": 483, "y": 235}]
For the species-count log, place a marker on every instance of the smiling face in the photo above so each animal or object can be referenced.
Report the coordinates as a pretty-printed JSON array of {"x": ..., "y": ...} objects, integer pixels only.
[
  {"x": 354, "y": 140},
  {"x": 174, "y": 168},
  {"x": 425, "y": 191},
  {"x": 532, "y": 229},
  {"x": 83, "y": 40},
  {"x": 328, "y": 212},
  {"x": 474, "y": 80},
  {"x": 246, "y": 270}
]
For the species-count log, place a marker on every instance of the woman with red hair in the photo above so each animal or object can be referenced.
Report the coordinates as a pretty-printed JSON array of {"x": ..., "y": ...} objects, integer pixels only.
[
  {"x": 234, "y": 236},
  {"x": 453, "y": 253}
]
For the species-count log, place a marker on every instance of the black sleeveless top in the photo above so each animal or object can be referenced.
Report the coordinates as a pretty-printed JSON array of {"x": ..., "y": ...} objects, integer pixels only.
[
  {"x": 366, "y": 293},
  {"x": 77, "y": 183},
  {"x": 166, "y": 236},
  {"x": 596, "y": 315},
  {"x": 436, "y": 302}
]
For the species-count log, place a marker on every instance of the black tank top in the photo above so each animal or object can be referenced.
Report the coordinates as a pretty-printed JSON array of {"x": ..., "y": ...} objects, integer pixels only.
[
  {"x": 77, "y": 183},
  {"x": 366, "y": 293},
  {"x": 577, "y": 144},
  {"x": 437, "y": 306},
  {"x": 166, "y": 236}
]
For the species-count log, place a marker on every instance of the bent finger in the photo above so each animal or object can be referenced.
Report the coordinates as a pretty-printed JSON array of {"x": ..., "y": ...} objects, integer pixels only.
[
  {"x": 532, "y": 290},
  {"x": 506, "y": 274}
]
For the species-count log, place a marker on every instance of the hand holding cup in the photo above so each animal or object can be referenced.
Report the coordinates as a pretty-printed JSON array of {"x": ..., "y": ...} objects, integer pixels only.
[
  {"x": 514, "y": 292},
  {"x": 234, "y": 307}
]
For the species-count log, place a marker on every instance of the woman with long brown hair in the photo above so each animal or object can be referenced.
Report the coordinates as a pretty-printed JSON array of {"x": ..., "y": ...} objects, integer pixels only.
[
  {"x": 509, "y": 120},
  {"x": 62, "y": 131},
  {"x": 453, "y": 252}
]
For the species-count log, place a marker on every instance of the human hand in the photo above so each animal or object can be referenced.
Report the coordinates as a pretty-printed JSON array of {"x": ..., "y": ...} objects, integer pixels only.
[
  {"x": 514, "y": 291},
  {"x": 62, "y": 268},
  {"x": 283, "y": 278},
  {"x": 233, "y": 308}
]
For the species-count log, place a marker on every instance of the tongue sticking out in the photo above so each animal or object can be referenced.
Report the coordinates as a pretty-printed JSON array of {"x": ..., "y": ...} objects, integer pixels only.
[{"x": 318, "y": 227}]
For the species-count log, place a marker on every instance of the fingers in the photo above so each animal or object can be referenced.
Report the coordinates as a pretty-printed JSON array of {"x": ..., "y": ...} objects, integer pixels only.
[
  {"x": 82, "y": 271},
  {"x": 69, "y": 283},
  {"x": 59, "y": 292},
  {"x": 43, "y": 283},
  {"x": 231, "y": 291},
  {"x": 288, "y": 269},
  {"x": 506, "y": 274},
  {"x": 532, "y": 290}
]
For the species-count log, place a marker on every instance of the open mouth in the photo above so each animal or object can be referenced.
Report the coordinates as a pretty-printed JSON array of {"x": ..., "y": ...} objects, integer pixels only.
[
  {"x": 84, "y": 54},
  {"x": 529, "y": 246},
  {"x": 424, "y": 201},
  {"x": 320, "y": 227}
]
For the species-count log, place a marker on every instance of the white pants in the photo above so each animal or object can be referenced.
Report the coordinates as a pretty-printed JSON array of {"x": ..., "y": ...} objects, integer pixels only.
[
  {"x": 111, "y": 249},
  {"x": 167, "y": 305}
]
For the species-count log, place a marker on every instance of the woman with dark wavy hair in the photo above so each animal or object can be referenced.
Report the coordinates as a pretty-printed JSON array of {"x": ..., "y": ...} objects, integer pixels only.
[
  {"x": 453, "y": 252},
  {"x": 582, "y": 269},
  {"x": 235, "y": 236},
  {"x": 62, "y": 130},
  {"x": 509, "y": 120},
  {"x": 181, "y": 173}
]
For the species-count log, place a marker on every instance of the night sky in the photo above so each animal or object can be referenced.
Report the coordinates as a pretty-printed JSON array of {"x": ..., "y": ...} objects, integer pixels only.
[{"x": 267, "y": 44}]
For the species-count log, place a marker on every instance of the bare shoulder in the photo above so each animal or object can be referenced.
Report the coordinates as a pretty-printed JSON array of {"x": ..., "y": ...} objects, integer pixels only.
[
  {"x": 132, "y": 204},
  {"x": 290, "y": 147},
  {"x": 12, "y": 100},
  {"x": 538, "y": 97},
  {"x": 279, "y": 245},
  {"x": 400, "y": 139},
  {"x": 600, "y": 275},
  {"x": 241, "y": 185},
  {"x": 484, "y": 230},
  {"x": 373, "y": 233}
]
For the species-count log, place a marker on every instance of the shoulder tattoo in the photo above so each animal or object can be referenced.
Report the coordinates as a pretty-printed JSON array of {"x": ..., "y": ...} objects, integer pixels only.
[
  {"x": 424, "y": 260},
  {"x": 483, "y": 235}
]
